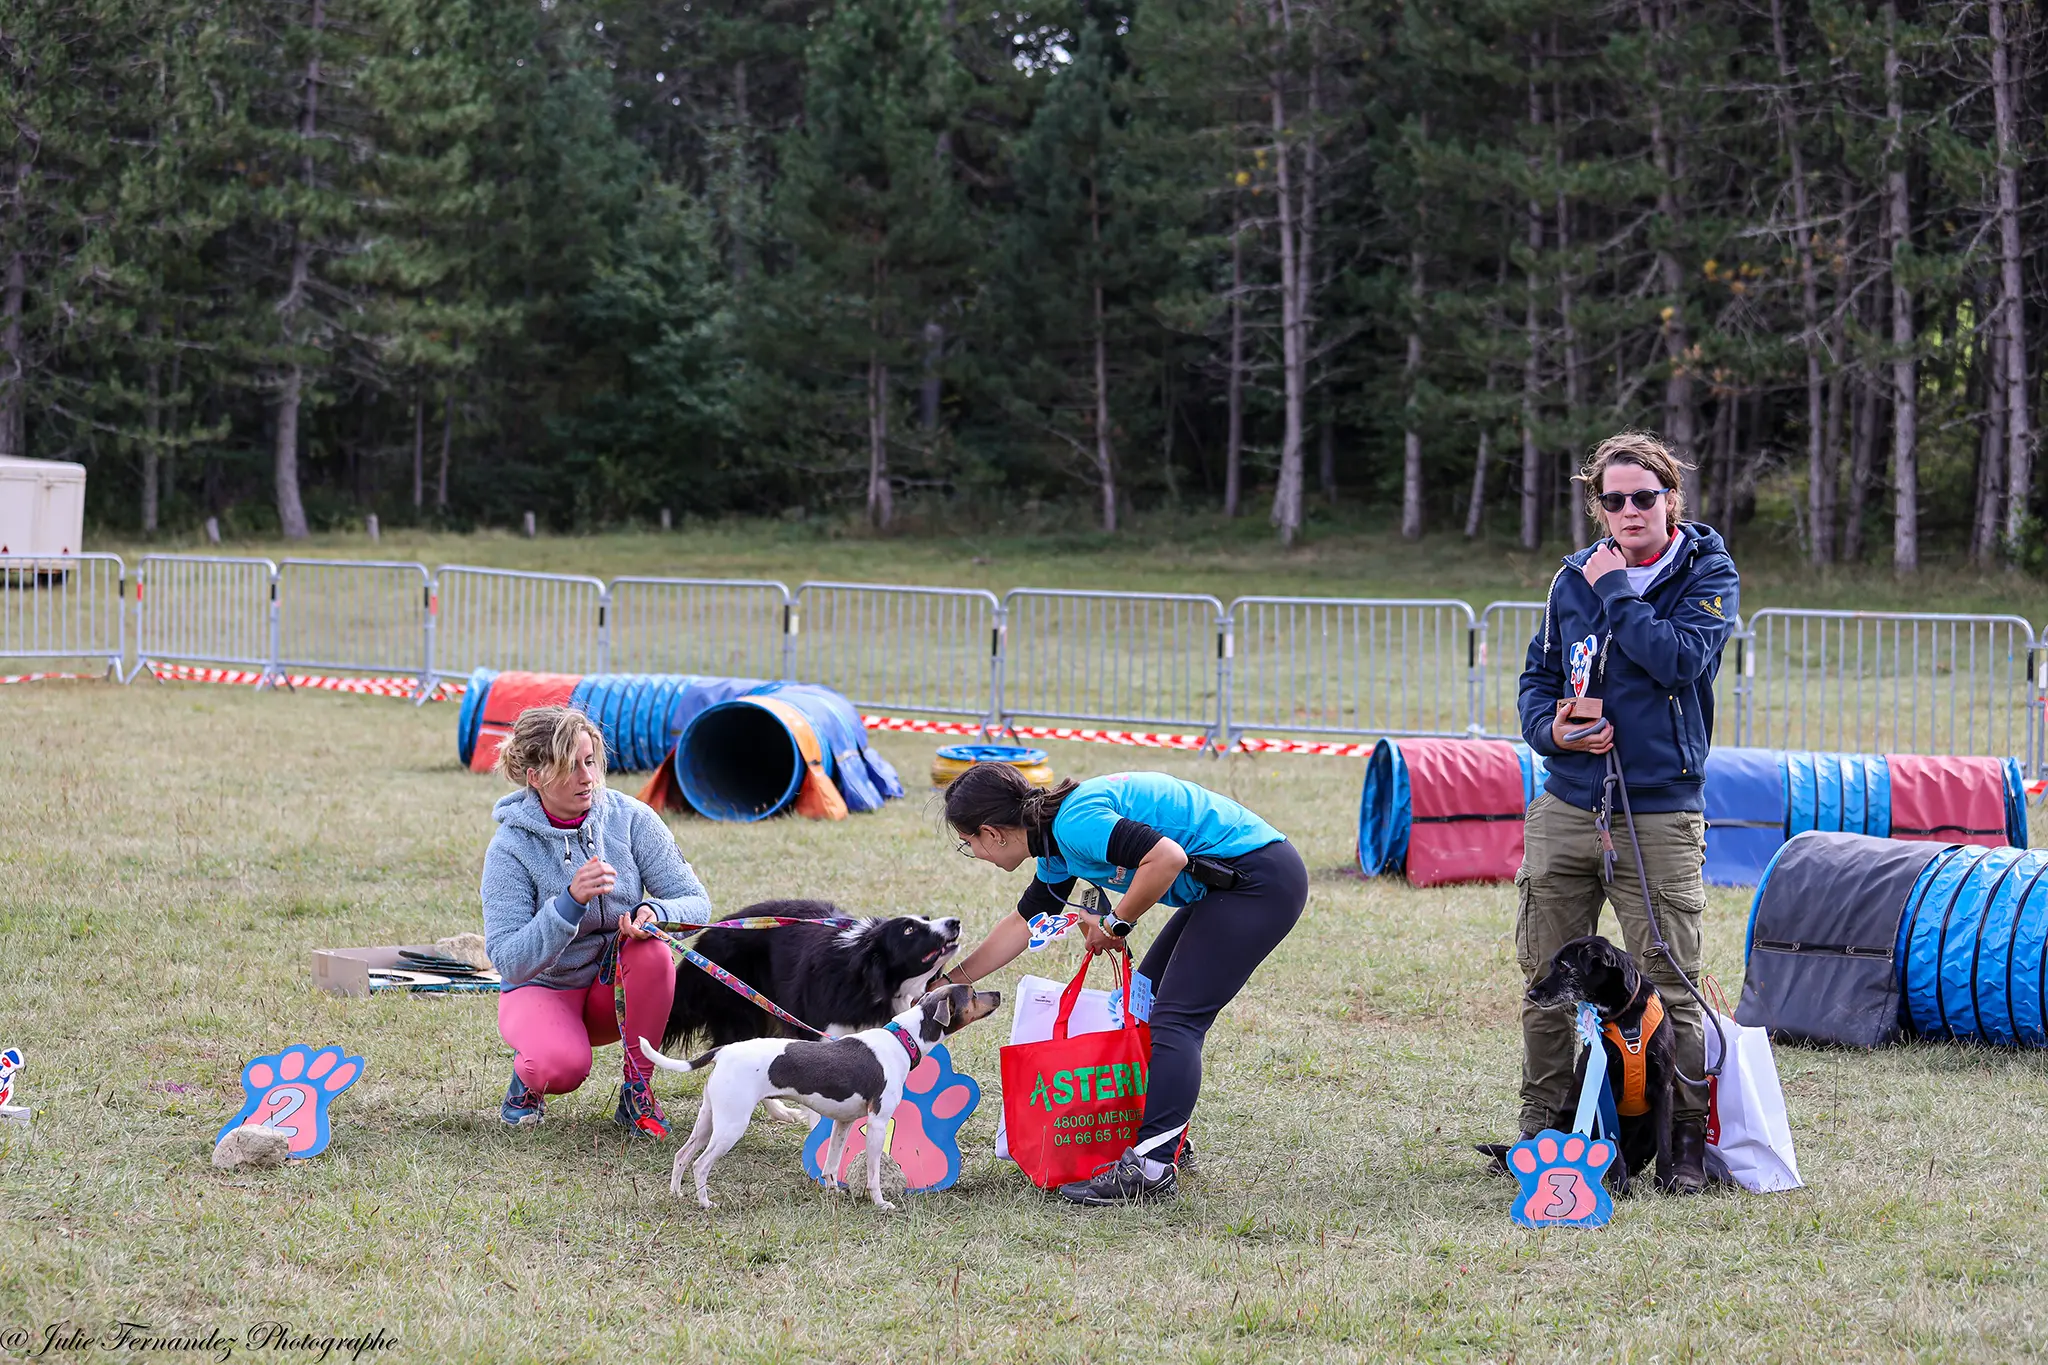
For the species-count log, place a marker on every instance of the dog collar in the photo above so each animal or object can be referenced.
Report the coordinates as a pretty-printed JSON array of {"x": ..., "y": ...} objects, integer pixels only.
[{"x": 909, "y": 1043}]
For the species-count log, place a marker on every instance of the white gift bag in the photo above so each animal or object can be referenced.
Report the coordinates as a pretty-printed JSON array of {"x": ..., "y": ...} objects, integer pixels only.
[
  {"x": 1038, "y": 1005},
  {"x": 1754, "y": 1139}
]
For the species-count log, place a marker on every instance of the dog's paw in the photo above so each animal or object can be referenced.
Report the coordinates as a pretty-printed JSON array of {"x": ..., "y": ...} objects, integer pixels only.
[
  {"x": 1560, "y": 1176},
  {"x": 924, "y": 1135},
  {"x": 290, "y": 1091}
]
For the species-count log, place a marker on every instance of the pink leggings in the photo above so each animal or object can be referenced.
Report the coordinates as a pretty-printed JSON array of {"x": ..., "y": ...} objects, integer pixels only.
[{"x": 552, "y": 1032}]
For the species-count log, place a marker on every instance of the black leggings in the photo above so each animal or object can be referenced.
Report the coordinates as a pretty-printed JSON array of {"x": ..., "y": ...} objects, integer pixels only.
[{"x": 1199, "y": 962}]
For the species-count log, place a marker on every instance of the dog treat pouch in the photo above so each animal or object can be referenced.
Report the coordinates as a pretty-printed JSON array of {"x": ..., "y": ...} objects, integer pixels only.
[{"x": 1072, "y": 1104}]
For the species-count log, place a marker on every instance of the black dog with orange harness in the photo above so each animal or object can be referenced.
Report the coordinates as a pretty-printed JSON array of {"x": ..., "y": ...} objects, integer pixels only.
[{"x": 1641, "y": 1058}]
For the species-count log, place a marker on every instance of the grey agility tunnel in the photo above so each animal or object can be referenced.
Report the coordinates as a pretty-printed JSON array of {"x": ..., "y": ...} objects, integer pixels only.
[{"x": 1859, "y": 941}]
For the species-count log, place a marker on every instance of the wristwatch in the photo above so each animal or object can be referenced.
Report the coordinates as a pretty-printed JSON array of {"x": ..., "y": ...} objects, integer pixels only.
[{"x": 1121, "y": 928}]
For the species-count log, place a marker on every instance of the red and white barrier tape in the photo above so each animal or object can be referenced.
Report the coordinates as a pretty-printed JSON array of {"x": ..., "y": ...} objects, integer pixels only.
[
  {"x": 407, "y": 688},
  {"x": 1138, "y": 739}
]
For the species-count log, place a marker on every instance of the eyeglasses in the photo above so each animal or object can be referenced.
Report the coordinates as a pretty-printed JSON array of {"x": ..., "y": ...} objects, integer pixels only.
[
  {"x": 1643, "y": 498},
  {"x": 962, "y": 847}
]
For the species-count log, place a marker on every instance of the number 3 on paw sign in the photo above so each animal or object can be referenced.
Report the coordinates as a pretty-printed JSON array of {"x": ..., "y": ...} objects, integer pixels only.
[
  {"x": 290, "y": 1091},
  {"x": 1560, "y": 1175}
]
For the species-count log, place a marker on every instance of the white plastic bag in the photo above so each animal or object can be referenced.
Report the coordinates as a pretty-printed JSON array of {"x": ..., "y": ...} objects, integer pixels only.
[
  {"x": 1038, "y": 1005},
  {"x": 1754, "y": 1139}
]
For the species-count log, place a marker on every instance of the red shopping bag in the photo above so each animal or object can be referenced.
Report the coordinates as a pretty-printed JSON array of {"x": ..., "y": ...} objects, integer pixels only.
[{"x": 1071, "y": 1105}]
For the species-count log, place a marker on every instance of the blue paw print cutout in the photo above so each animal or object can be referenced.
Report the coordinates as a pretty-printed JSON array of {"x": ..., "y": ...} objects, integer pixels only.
[
  {"x": 1560, "y": 1174},
  {"x": 923, "y": 1136},
  {"x": 290, "y": 1090}
]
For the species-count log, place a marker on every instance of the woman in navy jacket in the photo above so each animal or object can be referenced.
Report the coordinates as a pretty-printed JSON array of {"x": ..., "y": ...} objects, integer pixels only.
[{"x": 1646, "y": 612}]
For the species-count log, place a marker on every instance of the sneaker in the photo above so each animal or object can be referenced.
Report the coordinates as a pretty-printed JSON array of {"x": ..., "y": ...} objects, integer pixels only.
[
  {"x": 523, "y": 1108},
  {"x": 1123, "y": 1183},
  {"x": 639, "y": 1110}
]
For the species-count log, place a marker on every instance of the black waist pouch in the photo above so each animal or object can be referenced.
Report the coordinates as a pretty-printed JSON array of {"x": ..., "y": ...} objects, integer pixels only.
[{"x": 1215, "y": 873}]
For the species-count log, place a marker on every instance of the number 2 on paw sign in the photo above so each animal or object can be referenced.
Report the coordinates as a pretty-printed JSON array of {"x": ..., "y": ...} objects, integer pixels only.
[{"x": 290, "y": 1091}]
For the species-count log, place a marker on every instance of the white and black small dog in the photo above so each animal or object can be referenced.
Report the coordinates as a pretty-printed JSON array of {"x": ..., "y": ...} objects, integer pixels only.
[
  {"x": 840, "y": 1078},
  {"x": 841, "y": 980},
  {"x": 837, "y": 979}
]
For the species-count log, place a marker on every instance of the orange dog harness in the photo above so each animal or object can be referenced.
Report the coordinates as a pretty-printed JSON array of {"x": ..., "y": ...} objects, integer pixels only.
[{"x": 1631, "y": 1099}]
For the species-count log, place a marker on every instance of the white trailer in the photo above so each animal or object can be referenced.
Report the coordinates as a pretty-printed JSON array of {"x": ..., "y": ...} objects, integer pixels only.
[{"x": 42, "y": 508}]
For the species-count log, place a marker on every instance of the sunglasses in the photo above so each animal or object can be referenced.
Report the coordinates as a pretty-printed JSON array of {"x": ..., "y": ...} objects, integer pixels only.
[{"x": 1643, "y": 498}]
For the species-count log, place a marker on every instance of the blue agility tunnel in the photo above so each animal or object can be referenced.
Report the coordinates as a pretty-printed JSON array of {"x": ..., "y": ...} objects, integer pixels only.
[
  {"x": 469, "y": 718},
  {"x": 1837, "y": 793},
  {"x": 1971, "y": 947},
  {"x": 1745, "y": 797},
  {"x": 742, "y": 757},
  {"x": 732, "y": 748},
  {"x": 1856, "y": 940}
]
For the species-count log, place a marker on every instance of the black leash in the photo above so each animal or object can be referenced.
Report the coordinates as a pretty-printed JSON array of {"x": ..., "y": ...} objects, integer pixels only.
[{"x": 1614, "y": 782}]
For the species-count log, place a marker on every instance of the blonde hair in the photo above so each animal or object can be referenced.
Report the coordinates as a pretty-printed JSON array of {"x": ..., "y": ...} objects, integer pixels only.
[
  {"x": 544, "y": 738},
  {"x": 1645, "y": 451}
]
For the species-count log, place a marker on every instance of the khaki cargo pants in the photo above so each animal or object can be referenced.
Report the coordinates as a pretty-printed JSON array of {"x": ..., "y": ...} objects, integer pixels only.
[{"x": 1559, "y": 890}]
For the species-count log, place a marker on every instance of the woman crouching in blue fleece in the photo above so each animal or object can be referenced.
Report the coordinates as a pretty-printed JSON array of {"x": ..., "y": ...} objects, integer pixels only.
[
  {"x": 1235, "y": 884},
  {"x": 572, "y": 878}
]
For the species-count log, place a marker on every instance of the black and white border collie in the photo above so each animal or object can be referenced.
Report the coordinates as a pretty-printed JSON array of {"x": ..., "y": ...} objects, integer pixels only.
[{"x": 839, "y": 980}]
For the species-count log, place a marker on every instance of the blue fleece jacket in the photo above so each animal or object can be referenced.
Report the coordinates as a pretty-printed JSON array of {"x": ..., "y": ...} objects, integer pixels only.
[
  {"x": 1658, "y": 654},
  {"x": 534, "y": 933}
]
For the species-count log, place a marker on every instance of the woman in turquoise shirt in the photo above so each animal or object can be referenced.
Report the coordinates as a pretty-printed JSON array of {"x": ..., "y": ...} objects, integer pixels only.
[{"x": 1234, "y": 884}]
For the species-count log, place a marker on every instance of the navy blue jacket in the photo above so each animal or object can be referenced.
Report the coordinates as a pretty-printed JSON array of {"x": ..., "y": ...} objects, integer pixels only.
[{"x": 1659, "y": 652}]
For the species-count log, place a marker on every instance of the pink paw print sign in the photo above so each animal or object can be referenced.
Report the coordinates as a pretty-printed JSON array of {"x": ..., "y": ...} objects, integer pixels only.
[
  {"x": 923, "y": 1136},
  {"x": 290, "y": 1091},
  {"x": 1560, "y": 1175}
]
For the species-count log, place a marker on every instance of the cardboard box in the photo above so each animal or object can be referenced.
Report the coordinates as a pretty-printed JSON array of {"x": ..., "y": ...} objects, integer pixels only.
[{"x": 1580, "y": 710}]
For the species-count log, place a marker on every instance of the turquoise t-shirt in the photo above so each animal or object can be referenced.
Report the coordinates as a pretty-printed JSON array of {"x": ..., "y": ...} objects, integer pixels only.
[{"x": 1194, "y": 817}]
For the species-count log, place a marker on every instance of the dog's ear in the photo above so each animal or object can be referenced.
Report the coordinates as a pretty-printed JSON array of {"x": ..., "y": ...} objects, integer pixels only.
[
  {"x": 1617, "y": 960},
  {"x": 938, "y": 1006}
]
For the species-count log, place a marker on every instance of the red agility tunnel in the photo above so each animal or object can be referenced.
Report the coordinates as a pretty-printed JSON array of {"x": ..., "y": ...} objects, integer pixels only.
[
  {"x": 510, "y": 694},
  {"x": 1950, "y": 800},
  {"x": 1442, "y": 811}
]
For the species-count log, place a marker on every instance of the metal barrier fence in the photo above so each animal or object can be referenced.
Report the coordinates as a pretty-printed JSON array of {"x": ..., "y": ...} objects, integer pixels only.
[
  {"x": 1827, "y": 680},
  {"x": 1351, "y": 666},
  {"x": 723, "y": 627},
  {"x": 206, "y": 609},
  {"x": 64, "y": 607},
  {"x": 372, "y": 615},
  {"x": 936, "y": 650},
  {"x": 504, "y": 618},
  {"x": 1505, "y": 629},
  {"x": 1130, "y": 658},
  {"x": 1895, "y": 682}
]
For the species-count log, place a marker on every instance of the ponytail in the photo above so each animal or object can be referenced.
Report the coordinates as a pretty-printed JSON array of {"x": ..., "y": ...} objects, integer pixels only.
[{"x": 997, "y": 794}]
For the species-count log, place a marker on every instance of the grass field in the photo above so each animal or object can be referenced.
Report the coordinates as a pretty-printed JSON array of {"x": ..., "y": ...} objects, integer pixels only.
[{"x": 168, "y": 854}]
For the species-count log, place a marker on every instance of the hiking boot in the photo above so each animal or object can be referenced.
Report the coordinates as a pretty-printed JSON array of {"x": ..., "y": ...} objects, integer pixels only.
[
  {"x": 1688, "y": 1155},
  {"x": 1496, "y": 1153},
  {"x": 1123, "y": 1183},
  {"x": 640, "y": 1111},
  {"x": 523, "y": 1108}
]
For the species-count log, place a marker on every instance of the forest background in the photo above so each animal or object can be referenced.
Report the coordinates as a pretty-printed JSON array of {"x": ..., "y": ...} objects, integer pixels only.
[{"x": 916, "y": 262}]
